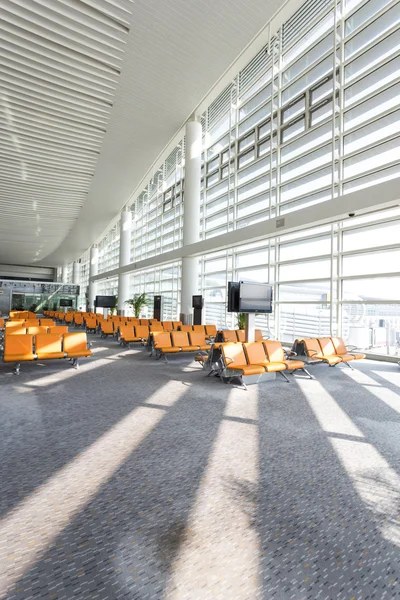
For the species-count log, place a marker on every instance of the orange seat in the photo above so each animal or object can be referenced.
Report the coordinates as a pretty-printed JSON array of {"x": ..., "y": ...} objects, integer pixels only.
[
  {"x": 167, "y": 325},
  {"x": 75, "y": 345},
  {"x": 315, "y": 351},
  {"x": 18, "y": 348},
  {"x": 49, "y": 345},
  {"x": 156, "y": 327},
  {"x": 186, "y": 328},
  {"x": 106, "y": 328},
  {"x": 142, "y": 332},
  {"x": 211, "y": 330},
  {"x": 229, "y": 335},
  {"x": 235, "y": 360},
  {"x": 276, "y": 353},
  {"x": 59, "y": 329},
  {"x": 198, "y": 340},
  {"x": 126, "y": 333},
  {"x": 255, "y": 354},
  {"x": 180, "y": 340},
  {"x": 328, "y": 351},
  {"x": 176, "y": 325},
  {"x": 15, "y": 331},
  {"x": 37, "y": 330},
  {"x": 344, "y": 352},
  {"x": 91, "y": 323},
  {"x": 258, "y": 336},
  {"x": 199, "y": 328},
  {"x": 241, "y": 335},
  {"x": 163, "y": 344},
  {"x": 145, "y": 322}
]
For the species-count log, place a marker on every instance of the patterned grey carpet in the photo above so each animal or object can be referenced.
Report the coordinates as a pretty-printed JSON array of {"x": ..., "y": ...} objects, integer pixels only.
[{"x": 130, "y": 478}]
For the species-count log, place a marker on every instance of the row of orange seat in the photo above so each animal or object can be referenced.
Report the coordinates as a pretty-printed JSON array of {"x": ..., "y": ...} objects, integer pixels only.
[
  {"x": 36, "y": 329},
  {"x": 257, "y": 358},
  {"x": 330, "y": 350},
  {"x": 21, "y": 315},
  {"x": 135, "y": 333},
  {"x": 163, "y": 343},
  {"x": 45, "y": 346}
]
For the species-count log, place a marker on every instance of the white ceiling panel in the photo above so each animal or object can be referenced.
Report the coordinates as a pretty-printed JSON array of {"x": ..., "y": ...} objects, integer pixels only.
[
  {"x": 60, "y": 62},
  {"x": 76, "y": 136}
]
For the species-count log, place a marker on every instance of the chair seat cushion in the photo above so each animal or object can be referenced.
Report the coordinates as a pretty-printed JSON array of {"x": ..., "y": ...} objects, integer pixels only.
[
  {"x": 331, "y": 359},
  {"x": 169, "y": 350},
  {"x": 79, "y": 353},
  {"x": 18, "y": 357},
  {"x": 190, "y": 348},
  {"x": 359, "y": 356},
  {"x": 346, "y": 357},
  {"x": 293, "y": 364},
  {"x": 206, "y": 347},
  {"x": 48, "y": 355},
  {"x": 248, "y": 369},
  {"x": 273, "y": 367}
]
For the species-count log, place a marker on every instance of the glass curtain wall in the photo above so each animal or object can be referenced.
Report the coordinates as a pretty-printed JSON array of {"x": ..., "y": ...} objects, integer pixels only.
[
  {"x": 165, "y": 281},
  {"x": 314, "y": 115},
  {"x": 340, "y": 279}
]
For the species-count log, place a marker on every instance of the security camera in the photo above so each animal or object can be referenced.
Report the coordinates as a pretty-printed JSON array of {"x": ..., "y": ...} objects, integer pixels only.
[{"x": 352, "y": 214}]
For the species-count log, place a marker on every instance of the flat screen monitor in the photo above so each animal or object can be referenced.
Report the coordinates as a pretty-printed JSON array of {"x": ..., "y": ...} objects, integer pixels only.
[
  {"x": 233, "y": 296},
  {"x": 65, "y": 301},
  {"x": 255, "y": 297},
  {"x": 197, "y": 301},
  {"x": 105, "y": 301}
]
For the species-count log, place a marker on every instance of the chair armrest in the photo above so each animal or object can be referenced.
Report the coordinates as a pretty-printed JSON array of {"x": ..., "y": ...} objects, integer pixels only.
[
  {"x": 89, "y": 345},
  {"x": 290, "y": 353},
  {"x": 312, "y": 353},
  {"x": 352, "y": 348},
  {"x": 230, "y": 359}
]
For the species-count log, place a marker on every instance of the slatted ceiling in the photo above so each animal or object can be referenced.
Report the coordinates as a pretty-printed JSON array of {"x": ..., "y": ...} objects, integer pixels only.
[
  {"x": 59, "y": 67},
  {"x": 75, "y": 13},
  {"x": 55, "y": 52},
  {"x": 21, "y": 99},
  {"x": 66, "y": 34},
  {"x": 118, "y": 11},
  {"x": 64, "y": 79}
]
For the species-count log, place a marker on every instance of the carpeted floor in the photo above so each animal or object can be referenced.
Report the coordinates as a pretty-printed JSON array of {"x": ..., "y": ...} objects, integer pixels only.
[{"x": 130, "y": 478}]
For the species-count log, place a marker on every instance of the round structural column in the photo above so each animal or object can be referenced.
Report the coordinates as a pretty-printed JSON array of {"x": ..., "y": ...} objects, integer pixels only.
[
  {"x": 124, "y": 259},
  {"x": 76, "y": 273},
  {"x": 191, "y": 218},
  {"x": 93, "y": 270}
]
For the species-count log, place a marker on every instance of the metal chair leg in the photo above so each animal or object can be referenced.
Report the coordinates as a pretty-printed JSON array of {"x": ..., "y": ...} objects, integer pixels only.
[{"x": 284, "y": 376}]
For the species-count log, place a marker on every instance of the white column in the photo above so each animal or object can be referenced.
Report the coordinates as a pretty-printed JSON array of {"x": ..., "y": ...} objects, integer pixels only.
[
  {"x": 191, "y": 220},
  {"x": 63, "y": 274},
  {"x": 76, "y": 273},
  {"x": 124, "y": 259},
  {"x": 93, "y": 270}
]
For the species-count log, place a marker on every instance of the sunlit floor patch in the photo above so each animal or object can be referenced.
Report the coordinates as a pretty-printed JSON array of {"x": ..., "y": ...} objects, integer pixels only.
[
  {"x": 375, "y": 481},
  {"x": 28, "y": 530},
  {"x": 219, "y": 554}
]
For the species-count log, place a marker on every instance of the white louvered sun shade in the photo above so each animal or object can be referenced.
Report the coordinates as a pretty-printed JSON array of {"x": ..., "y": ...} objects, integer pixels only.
[{"x": 59, "y": 66}]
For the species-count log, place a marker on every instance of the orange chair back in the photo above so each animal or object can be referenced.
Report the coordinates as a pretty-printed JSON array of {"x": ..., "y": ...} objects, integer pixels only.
[
  {"x": 48, "y": 342},
  {"x": 233, "y": 351},
  {"x": 142, "y": 331},
  {"x": 180, "y": 338},
  {"x": 162, "y": 339},
  {"x": 75, "y": 342},
  {"x": 274, "y": 351},
  {"x": 18, "y": 345},
  {"x": 37, "y": 330},
  {"x": 60, "y": 329},
  {"x": 255, "y": 353},
  {"x": 327, "y": 346}
]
